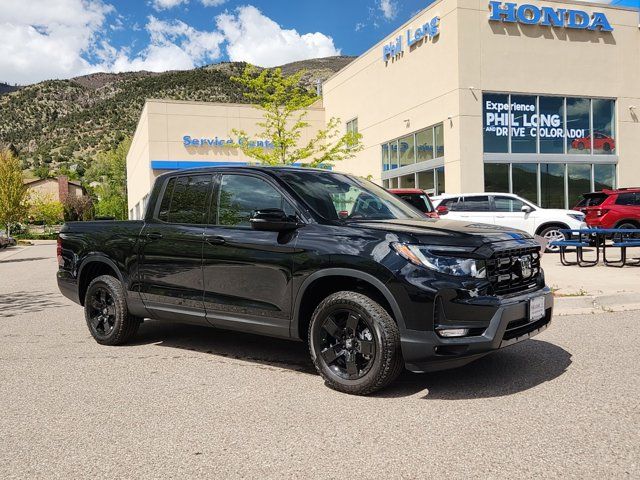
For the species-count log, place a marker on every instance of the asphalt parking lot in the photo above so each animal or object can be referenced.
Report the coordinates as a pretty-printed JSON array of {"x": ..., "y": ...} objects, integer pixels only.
[{"x": 184, "y": 401}]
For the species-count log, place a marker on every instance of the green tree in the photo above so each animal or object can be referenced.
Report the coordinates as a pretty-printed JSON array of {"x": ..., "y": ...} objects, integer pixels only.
[
  {"x": 13, "y": 191},
  {"x": 284, "y": 103},
  {"x": 109, "y": 173},
  {"x": 43, "y": 209}
]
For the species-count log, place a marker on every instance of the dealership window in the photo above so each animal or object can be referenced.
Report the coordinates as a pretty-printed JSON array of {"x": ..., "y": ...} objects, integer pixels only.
[
  {"x": 524, "y": 178},
  {"x": 426, "y": 180},
  {"x": 578, "y": 181},
  {"x": 604, "y": 176},
  {"x": 524, "y": 111},
  {"x": 440, "y": 185},
  {"x": 386, "y": 183},
  {"x": 393, "y": 155},
  {"x": 548, "y": 125},
  {"x": 407, "y": 181},
  {"x": 352, "y": 127},
  {"x": 406, "y": 145},
  {"x": 603, "y": 121},
  {"x": 439, "y": 136},
  {"x": 552, "y": 185},
  {"x": 578, "y": 125},
  {"x": 495, "y": 122},
  {"x": 551, "y": 121},
  {"x": 424, "y": 145},
  {"x": 496, "y": 177},
  {"x": 385, "y": 157},
  {"x": 560, "y": 185}
]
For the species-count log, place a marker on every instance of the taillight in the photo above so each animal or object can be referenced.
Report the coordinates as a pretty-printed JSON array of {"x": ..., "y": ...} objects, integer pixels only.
[{"x": 59, "y": 252}]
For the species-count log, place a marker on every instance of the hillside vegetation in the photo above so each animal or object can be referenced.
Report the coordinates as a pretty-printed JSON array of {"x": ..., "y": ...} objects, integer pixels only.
[{"x": 61, "y": 125}]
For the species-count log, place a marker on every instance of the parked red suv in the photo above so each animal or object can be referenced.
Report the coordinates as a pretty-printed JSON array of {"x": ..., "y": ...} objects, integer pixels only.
[
  {"x": 611, "y": 208},
  {"x": 417, "y": 198}
]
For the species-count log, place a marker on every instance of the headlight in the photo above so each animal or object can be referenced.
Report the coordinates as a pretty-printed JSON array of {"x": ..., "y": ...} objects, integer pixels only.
[
  {"x": 424, "y": 257},
  {"x": 577, "y": 216}
]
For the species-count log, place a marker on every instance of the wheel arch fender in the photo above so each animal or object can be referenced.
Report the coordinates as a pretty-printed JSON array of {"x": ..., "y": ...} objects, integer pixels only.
[
  {"x": 92, "y": 259},
  {"x": 550, "y": 223},
  {"x": 373, "y": 281}
]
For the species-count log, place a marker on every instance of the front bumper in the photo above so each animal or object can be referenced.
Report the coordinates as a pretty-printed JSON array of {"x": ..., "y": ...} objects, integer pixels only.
[{"x": 426, "y": 351}]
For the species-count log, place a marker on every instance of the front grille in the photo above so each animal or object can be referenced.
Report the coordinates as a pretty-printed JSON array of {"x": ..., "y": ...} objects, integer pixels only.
[{"x": 514, "y": 270}]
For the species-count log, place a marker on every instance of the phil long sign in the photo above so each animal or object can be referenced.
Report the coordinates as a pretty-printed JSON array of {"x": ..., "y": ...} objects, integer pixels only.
[
  {"x": 528, "y": 14},
  {"x": 523, "y": 121}
]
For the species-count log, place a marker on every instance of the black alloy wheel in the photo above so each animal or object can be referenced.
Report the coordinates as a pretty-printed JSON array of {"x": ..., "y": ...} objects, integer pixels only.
[
  {"x": 101, "y": 312},
  {"x": 106, "y": 312},
  {"x": 346, "y": 342},
  {"x": 354, "y": 343}
]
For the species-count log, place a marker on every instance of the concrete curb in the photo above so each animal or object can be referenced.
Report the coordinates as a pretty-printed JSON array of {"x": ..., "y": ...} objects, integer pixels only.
[{"x": 590, "y": 304}]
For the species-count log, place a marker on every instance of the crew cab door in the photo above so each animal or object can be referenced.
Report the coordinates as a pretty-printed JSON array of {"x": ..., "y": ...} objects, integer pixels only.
[
  {"x": 171, "y": 250},
  {"x": 247, "y": 273}
]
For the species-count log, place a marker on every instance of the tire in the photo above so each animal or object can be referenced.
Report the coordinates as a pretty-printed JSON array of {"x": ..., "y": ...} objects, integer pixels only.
[
  {"x": 550, "y": 234},
  {"x": 625, "y": 224},
  {"x": 372, "y": 347},
  {"x": 106, "y": 313}
]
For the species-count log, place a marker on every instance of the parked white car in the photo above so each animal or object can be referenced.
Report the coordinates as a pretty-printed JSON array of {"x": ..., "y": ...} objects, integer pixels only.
[{"x": 509, "y": 210}]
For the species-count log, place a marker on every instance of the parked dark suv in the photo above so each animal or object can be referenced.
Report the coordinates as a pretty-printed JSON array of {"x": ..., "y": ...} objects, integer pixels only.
[{"x": 312, "y": 255}]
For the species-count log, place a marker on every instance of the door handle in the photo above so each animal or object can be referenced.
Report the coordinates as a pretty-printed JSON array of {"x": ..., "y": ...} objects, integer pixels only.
[
  {"x": 214, "y": 239},
  {"x": 154, "y": 236}
]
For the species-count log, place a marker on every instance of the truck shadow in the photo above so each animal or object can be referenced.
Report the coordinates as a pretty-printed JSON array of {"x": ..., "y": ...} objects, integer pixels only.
[
  {"x": 505, "y": 372},
  {"x": 17, "y": 303},
  {"x": 512, "y": 370}
]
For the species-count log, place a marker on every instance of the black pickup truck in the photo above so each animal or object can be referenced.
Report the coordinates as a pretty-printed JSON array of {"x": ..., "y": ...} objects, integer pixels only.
[{"x": 370, "y": 283}]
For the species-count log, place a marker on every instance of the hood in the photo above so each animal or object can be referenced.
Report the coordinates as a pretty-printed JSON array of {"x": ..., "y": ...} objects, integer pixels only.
[{"x": 439, "y": 231}]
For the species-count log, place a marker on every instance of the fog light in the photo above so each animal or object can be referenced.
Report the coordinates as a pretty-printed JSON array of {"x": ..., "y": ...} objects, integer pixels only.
[{"x": 453, "y": 332}]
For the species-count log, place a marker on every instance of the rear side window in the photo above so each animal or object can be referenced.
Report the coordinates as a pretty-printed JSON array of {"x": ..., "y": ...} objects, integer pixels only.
[
  {"x": 629, "y": 199},
  {"x": 476, "y": 204},
  {"x": 592, "y": 200},
  {"x": 185, "y": 200},
  {"x": 241, "y": 195}
]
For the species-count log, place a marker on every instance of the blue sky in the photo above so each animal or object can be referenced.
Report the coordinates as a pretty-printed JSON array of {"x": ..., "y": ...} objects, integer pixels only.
[{"x": 43, "y": 39}]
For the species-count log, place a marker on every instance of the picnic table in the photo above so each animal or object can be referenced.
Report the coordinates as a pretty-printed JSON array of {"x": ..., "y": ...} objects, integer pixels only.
[{"x": 622, "y": 238}]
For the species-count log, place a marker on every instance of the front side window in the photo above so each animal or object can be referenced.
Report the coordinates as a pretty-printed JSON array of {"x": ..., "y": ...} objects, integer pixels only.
[
  {"x": 336, "y": 196},
  {"x": 185, "y": 200},
  {"x": 241, "y": 195},
  {"x": 507, "y": 204}
]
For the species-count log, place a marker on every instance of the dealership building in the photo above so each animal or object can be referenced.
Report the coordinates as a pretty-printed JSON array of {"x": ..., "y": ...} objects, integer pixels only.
[{"x": 539, "y": 98}]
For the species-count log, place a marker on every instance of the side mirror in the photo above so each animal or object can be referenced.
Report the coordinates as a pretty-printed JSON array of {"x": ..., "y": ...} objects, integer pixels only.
[
  {"x": 526, "y": 209},
  {"x": 272, "y": 220},
  {"x": 442, "y": 210}
]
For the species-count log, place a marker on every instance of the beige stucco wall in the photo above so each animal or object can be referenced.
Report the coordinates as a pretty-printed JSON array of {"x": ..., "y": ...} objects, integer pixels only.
[
  {"x": 418, "y": 87},
  {"x": 164, "y": 123},
  {"x": 443, "y": 80}
]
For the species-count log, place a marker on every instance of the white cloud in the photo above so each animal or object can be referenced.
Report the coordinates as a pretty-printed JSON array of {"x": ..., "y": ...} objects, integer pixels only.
[
  {"x": 42, "y": 39},
  {"x": 255, "y": 38},
  {"x": 166, "y": 4},
  {"x": 173, "y": 46},
  {"x": 389, "y": 9},
  {"x": 359, "y": 26},
  {"x": 212, "y": 3}
]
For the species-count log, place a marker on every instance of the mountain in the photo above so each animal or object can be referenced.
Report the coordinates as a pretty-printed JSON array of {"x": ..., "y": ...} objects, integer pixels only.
[{"x": 63, "y": 124}]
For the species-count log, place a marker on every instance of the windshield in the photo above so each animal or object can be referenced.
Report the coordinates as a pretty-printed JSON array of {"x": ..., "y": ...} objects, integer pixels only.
[{"x": 335, "y": 196}]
